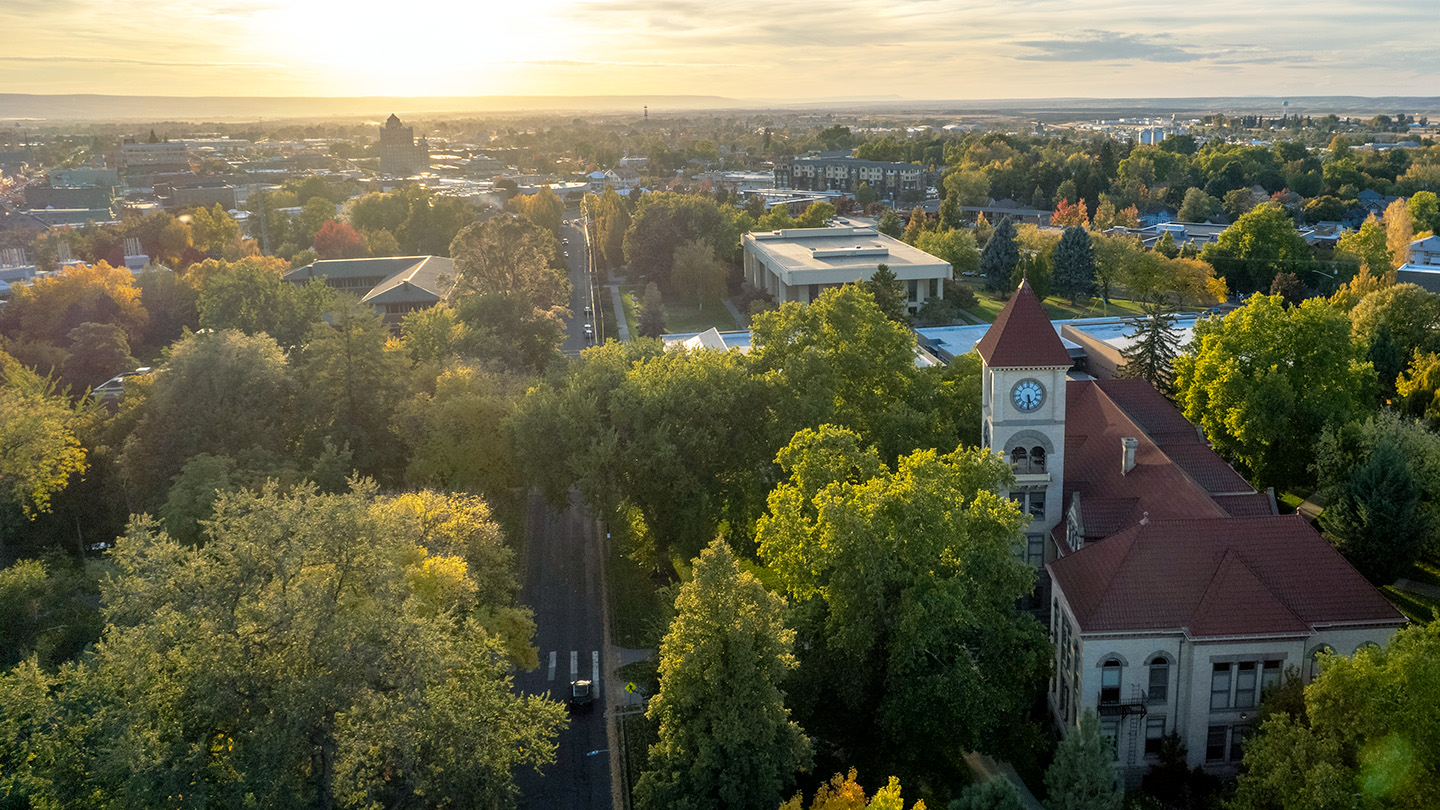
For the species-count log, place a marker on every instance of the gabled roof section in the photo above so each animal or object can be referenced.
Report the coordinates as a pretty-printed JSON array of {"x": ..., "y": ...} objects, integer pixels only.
[
  {"x": 1022, "y": 335},
  {"x": 1217, "y": 577}
]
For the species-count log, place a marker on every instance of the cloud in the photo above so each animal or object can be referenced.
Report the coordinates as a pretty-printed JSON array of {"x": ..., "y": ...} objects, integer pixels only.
[
  {"x": 1106, "y": 46},
  {"x": 120, "y": 60},
  {"x": 605, "y": 63}
]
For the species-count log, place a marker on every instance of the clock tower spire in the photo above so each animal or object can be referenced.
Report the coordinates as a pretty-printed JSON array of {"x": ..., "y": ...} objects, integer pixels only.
[{"x": 1023, "y": 411}]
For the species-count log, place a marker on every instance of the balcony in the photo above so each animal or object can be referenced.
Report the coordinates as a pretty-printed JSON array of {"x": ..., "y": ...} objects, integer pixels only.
[
  {"x": 1113, "y": 706},
  {"x": 1031, "y": 479}
]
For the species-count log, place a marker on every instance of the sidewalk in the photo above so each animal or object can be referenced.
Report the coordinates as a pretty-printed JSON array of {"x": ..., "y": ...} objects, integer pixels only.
[
  {"x": 622, "y": 329},
  {"x": 734, "y": 313}
]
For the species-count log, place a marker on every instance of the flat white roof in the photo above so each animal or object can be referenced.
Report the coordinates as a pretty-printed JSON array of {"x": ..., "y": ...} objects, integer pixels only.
[{"x": 840, "y": 255}]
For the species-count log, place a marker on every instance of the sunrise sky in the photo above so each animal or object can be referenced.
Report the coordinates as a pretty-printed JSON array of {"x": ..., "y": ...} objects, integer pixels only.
[{"x": 922, "y": 49}]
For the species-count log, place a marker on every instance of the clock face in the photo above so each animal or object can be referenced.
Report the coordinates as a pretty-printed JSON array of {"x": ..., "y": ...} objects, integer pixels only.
[{"x": 1028, "y": 395}]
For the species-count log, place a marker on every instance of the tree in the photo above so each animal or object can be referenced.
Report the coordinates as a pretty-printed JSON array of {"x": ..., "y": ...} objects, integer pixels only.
[
  {"x": 1265, "y": 379},
  {"x": 1067, "y": 215},
  {"x": 663, "y": 221},
  {"x": 776, "y": 219},
  {"x": 170, "y": 302},
  {"x": 1366, "y": 737},
  {"x": 1154, "y": 344},
  {"x": 1376, "y": 517},
  {"x": 336, "y": 240},
  {"x": 955, "y": 246},
  {"x": 542, "y": 208},
  {"x": 357, "y": 657},
  {"x": 997, "y": 793},
  {"x": 865, "y": 194},
  {"x": 726, "y": 739},
  {"x": 98, "y": 351},
  {"x": 350, "y": 387},
  {"x": 252, "y": 296},
  {"x": 312, "y": 217},
  {"x": 916, "y": 225},
  {"x": 1259, "y": 245},
  {"x": 1399, "y": 232},
  {"x": 998, "y": 260},
  {"x": 699, "y": 271},
  {"x": 511, "y": 291},
  {"x": 612, "y": 219},
  {"x": 39, "y": 451},
  {"x": 1367, "y": 246},
  {"x": 889, "y": 293},
  {"x": 227, "y": 394},
  {"x": 1075, "y": 265},
  {"x": 1238, "y": 202},
  {"x": 1197, "y": 206},
  {"x": 1411, "y": 313},
  {"x": 1424, "y": 210},
  {"x": 890, "y": 224},
  {"x": 432, "y": 336},
  {"x": 1419, "y": 388},
  {"x": 1166, "y": 246},
  {"x": 457, "y": 438},
  {"x": 215, "y": 232},
  {"x": 48, "y": 309},
  {"x": 1082, "y": 776},
  {"x": 817, "y": 215},
  {"x": 909, "y": 579},
  {"x": 1325, "y": 209},
  {"x": 652, "y": 313},
  {"x": 193, "y": 493}
]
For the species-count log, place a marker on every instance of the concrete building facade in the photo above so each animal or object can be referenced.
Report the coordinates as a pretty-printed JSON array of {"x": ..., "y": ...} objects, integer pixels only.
[
  {"x": 889, "y": 179},
  {"x": 797, "y": 264}
]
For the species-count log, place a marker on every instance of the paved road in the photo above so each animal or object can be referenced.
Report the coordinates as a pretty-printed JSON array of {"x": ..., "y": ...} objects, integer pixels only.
[
  {"x": 580, "y": 297},
  {"x": 562, "y": 586}
]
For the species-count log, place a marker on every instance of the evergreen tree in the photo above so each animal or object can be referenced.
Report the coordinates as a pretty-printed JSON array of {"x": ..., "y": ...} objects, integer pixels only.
[
  {"x": 1151, "y": 354},
  {"x": 726, "y": 739},
  {"x": 1075, "y": 265},
  {"x": 1166, "y": 246},
  {"x": 1081, "y": 777},
  {"x": 1388, "y": 359},
  {"x": 652, "y": 313},
  {"x": 997, "y": 794},
  {"x": 1001, "y": 255},
  {"x": 889, "y": 293},
  {"x": 1377, "y": 520},
  {"x": 916, "y": 226}
]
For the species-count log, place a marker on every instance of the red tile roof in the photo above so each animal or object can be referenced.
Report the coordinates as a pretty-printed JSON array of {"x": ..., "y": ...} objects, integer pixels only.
[
  {"x": 1215, "y": 577},
  {"x": 1022, "y": 335}
]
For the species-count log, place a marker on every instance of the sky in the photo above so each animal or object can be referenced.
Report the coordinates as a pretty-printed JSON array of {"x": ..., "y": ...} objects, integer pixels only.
[{"x": 743, "y": 49}]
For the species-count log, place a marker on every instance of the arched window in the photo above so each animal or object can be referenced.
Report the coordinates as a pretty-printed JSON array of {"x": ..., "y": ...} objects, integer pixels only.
[
  {"x": 1037, "y": 460},
  {"x": 1019, "y": 459},
  {"x": 1159, "y": 691},
  {"x": 1312, "y": 661},
  {"x": 1110, "y": 681}
]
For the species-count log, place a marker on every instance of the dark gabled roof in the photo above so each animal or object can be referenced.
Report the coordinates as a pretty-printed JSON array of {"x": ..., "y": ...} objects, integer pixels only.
[
  {"x": 1217, "y": 577},
  {"x": 1022, "y": 335}
]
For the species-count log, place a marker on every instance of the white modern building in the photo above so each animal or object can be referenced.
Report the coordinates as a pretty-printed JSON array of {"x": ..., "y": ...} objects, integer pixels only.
[
  {"x": 797, "y": 264},
  {"x": 1175, "y": 593}
]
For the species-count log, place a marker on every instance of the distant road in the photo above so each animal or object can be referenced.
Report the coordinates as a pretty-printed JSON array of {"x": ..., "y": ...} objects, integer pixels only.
[
  {"x": 580, "y": 296},
  {"x": 562, "y": 585}
]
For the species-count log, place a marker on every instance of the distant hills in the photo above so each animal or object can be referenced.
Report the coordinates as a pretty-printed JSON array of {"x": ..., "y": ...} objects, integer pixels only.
[{"x": 19, "y": 106}]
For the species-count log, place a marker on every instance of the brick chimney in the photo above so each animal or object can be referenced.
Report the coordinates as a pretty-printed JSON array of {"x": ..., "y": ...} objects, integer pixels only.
[{"x": 1128, "y": 446}]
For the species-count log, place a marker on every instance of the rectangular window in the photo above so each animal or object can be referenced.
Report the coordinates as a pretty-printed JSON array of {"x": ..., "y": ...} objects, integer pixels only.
[
  {"x": 1245, "y": 684},
  {"x": 1064, "y": 697},
  {"x": 1111, "y": 730},
  {"x": 1220, "y": 687},
  {"x": 1110, "y": 684},
  {"x": 1159, "y": 690},
  {"x": 1238, "y": 735},
  {"x": 1270, "y": 677},
  {"x": 1215, "y": 743},
  {"x": 1035, "y": 549},
  {"x": 1154, "y": 731},
  {"x": 914, "y": 292},
  {"x": 1037, "y": 505}
]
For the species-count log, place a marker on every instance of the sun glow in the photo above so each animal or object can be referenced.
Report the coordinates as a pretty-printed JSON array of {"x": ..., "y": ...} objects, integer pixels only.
[{"x": 427, "y": 48}]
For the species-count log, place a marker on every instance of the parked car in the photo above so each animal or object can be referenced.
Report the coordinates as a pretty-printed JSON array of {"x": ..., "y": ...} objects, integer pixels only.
[
  {"x": 581, "y": 696},
  {"x": 114, "y": 388},
  {"x": 588, "y": 313}
]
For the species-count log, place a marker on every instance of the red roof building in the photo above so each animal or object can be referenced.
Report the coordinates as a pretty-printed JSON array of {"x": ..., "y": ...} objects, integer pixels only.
[{"x": 1176, "y": 592}]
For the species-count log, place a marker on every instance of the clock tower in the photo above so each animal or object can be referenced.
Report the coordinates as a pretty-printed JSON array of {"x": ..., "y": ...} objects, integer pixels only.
[{"x": 1023, "y": 412}]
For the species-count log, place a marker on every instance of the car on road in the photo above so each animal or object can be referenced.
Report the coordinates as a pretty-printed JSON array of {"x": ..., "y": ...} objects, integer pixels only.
[
  {"x": 581, "y": 696},
  {"x": 589, "y": 332},
  {"x": 565, "y": 241}
]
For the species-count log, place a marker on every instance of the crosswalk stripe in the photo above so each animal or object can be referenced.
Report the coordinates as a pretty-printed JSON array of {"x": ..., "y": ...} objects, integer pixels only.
[
  {"x": 552, "y": 665},
  {"x": 595, "y": 672},
  {"x": 574, "y": 665}
]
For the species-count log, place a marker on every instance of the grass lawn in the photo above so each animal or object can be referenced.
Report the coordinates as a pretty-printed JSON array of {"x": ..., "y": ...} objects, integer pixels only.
[
  {"x": 680, "y": 317},
  {"x": 1289, "y": 502},
  {"x": 637, "y": 607},
  {"x": 988, "y": 306},
  {"x": 1417, "y": 608}
]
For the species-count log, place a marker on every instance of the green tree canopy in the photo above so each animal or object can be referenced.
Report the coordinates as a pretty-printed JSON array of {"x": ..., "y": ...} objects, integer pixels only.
[
  {"x": 318, "y": 651},
  {"x": 1260, "y": 244},
  {"x": 1075, "y": 265},
  {"x": 1082, "y": 776},
  {"x": 907, "y": 580},
  {"x": 889, "y": 294},
  {"x": 1266, "y": 380},
  {"x": 1154, "y": 345},
  {"x": 1001, "y": 255},
  {"x": 39, "y": 450},
  {"x": 726, "y": 739}
]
